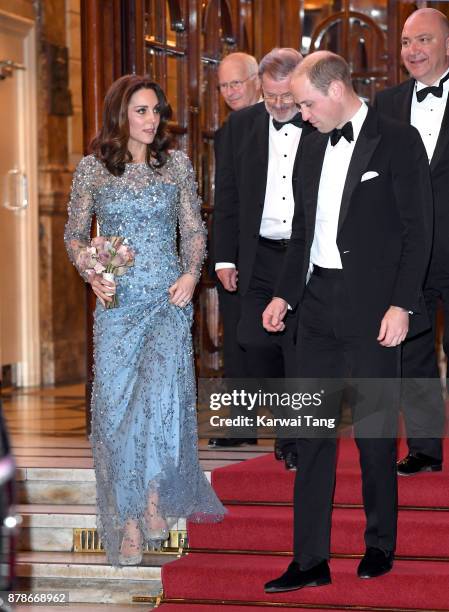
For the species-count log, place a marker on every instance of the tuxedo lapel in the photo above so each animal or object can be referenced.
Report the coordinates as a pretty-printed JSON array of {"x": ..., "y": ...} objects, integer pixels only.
[
  {"x": 363, "y": 151},
  {"x": 261, "y": 128},
  {"x": 307, "y": 129},
  {"x": 443, "y": 139},
  {"x": 313, "y": 155},
  {"x": 402, "y": 104},
  {"x": 257, "y": 162}
]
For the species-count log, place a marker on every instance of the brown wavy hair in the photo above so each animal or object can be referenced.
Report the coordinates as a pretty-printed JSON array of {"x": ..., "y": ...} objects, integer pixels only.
[{"x": 110, "y": 145}]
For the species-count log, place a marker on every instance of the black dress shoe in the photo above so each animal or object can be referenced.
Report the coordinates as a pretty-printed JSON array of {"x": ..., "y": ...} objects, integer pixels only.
[
  {"x": 291, "y": 461},
  {"x": 295, "y": 578},
  {"x": 230, "y": 442},
  {"x": 278, "y": 451},
  {"x": 376, "y": 562},
  {"x": 415, "y": 463}
]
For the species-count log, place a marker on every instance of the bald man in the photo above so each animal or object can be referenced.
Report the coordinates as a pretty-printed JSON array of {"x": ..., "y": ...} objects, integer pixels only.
[
  {"x": 423, "y": 102},
  {"x": 239, "y": 85},
  {"x": 238, "y": 80}
]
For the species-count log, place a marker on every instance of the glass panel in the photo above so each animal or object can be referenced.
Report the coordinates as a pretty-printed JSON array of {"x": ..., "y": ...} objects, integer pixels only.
[
  {"x": 150, "y": 63},
  {"x": 210, "y": 98},
  {"x": 173, "y": 65},
  {"x": 155, "y": 12},
  {"x": 170, "y": 34},
  {"x": 355, "y": 29}
]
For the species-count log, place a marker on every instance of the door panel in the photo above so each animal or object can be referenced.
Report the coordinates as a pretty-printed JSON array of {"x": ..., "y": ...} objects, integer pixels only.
[
  {"x": 11, "y": 173},
  {"x": 19, "y": 330}
]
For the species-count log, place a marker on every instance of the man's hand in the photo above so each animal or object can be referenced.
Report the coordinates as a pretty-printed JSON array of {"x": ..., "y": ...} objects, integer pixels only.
[
  {"x": 228, "y": 278},
  {"x": 394, "y": 327},
  {"x": 273, "y": 315}
]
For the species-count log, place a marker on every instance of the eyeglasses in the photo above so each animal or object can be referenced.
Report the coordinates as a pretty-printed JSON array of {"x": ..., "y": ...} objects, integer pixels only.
[
  {"x": 285, "y": 98},
  {"x": 234, "y": 84}
]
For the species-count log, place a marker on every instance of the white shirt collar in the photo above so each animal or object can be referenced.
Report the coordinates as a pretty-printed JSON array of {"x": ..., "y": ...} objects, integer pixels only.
[
  {"x": 419, "y": 85},
  {"x": 358, "y": 120}
]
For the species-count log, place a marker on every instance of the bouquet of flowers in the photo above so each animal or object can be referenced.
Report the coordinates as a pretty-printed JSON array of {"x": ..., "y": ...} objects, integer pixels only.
[{"x": 108, "y": 257}]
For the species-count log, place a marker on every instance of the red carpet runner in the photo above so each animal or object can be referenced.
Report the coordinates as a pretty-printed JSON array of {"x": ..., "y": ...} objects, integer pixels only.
[{"x": 235, "y": 558}]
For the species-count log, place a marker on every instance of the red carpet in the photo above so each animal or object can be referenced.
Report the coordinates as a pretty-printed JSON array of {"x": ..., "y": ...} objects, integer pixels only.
[
  {"x": 260, "y": 479},
  {"x": 264, "y": 528},
  {"x": 420, "y": 583},
  {"x": 241, "y": 577}
]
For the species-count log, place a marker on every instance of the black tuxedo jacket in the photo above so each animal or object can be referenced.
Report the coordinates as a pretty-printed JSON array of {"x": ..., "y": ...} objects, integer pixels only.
[
  {"x": 396, "y": 102},
  {"x": 240, "y": 185},
  {"x": 218, "y": 138},
  {"x": 384, "y": 228}
]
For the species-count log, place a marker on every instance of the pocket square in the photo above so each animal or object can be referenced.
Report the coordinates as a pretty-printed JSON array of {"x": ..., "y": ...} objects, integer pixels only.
[{"x": 369, "y": 175}]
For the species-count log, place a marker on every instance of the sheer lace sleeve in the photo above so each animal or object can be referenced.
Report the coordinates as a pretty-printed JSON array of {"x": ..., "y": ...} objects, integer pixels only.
[
  {"x": 191, "y": 226},
  {"x": 80, "y": 210}
]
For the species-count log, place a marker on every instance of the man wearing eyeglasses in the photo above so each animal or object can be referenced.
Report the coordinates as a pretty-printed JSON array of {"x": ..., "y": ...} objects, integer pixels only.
[
  {"x": 239, "y": 85},
  {"x": 253, "y": 214},
  {"x": 238, "y": 80}
]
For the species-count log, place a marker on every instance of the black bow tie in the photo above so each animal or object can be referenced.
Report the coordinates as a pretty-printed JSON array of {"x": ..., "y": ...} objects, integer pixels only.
[
  {"x": 346, "y": 131},
  {"x": 296, "y": 120},
  {"x": 436, "y": 90}
]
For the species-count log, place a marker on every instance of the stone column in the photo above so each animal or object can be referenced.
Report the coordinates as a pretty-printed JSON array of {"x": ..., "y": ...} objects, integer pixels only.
[{"x": 62, "y": 296}]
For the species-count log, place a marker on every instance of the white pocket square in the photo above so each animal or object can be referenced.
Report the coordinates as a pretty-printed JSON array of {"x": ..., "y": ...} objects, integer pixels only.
[{"x": 369, "y": 175}]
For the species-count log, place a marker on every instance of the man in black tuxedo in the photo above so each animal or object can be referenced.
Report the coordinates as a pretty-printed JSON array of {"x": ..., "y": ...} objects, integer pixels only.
[
  {"x": 423, "y": 102},
  {"x": 253, "y": 214},
  {"x": 239, "y": 85},
  {"x": 361, "y": 225}
]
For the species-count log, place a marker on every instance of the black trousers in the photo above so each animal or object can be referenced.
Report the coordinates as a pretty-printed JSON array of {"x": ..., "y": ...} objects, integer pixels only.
[
  {"x": 267, "y": 355},
  {"x": 234, "y": 361},
  {"x": 422, "y": 401},
  {"x": 328, "y": 348}
]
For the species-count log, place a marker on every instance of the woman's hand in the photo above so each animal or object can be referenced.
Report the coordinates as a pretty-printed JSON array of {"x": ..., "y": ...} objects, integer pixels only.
[
  {"x": 103, "y": 289},
  {"x": 181, "y": 292}
]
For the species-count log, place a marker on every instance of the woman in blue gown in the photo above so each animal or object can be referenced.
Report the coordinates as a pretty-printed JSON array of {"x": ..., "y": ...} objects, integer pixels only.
[{"x": 144, "y": 433}]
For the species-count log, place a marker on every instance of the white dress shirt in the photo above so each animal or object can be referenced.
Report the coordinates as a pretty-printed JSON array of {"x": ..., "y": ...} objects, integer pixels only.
[
  {"x": 279, "y": 204},
  {"x": 324, "y": 251},
  {"x": 426, "y": 116},
  {"x": 279, "y": 201}
]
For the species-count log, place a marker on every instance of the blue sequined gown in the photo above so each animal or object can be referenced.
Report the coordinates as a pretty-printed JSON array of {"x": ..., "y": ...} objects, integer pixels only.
[{"x": 144, "y": 434}]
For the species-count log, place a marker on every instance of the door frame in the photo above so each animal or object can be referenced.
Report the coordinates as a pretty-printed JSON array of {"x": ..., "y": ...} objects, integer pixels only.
[{"x": 28, "y": 372}]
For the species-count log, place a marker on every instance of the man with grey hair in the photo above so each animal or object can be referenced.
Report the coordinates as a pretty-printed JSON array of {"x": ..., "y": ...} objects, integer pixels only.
[
  {"x": 253, "y": 214},
  {"x": 361, "y": 227},
  {"x": 423, "y": 101}
]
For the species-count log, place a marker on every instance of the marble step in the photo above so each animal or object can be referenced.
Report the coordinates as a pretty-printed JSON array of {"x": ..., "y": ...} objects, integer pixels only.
[
  {"x": 46, "y": 528},
  {"x": 73, "y": 481},
  {"x": 52, "y": 471},
  {"x": 55, "y": 485},
  {"x": 88, "y": 578},
  {"x": 36, "y": 485}
]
